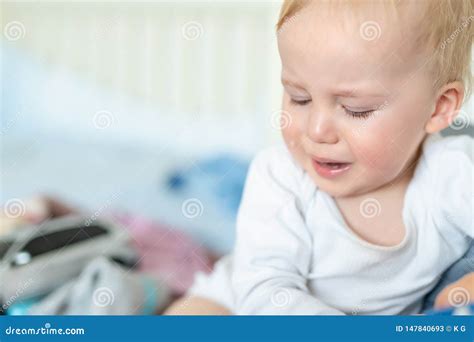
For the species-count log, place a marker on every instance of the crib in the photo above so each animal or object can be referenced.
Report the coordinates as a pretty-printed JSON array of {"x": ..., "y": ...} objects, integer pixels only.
[{"x": 179, "y": 66}]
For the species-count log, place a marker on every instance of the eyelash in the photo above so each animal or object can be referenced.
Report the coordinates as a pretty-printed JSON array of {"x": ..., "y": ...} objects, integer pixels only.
[
  {"x": 358, "y": 115},
  {"x": 300, "y": 103}
]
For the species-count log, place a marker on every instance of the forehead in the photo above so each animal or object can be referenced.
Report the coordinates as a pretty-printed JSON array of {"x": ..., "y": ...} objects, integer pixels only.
[{"x": 348, "y": 43}]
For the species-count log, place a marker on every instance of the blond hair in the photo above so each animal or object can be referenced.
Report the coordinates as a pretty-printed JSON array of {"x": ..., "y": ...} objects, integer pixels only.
[{"x": 446, "y": 27}]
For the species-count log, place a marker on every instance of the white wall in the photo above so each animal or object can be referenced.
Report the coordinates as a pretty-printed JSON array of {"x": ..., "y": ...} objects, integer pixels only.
[{"x": 162, "y": 67}]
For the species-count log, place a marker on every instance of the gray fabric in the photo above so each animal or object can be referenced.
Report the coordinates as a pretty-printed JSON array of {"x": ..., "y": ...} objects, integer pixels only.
[
  {"x": 104, "y": 288},
  {"x": 459, "y": 129}
]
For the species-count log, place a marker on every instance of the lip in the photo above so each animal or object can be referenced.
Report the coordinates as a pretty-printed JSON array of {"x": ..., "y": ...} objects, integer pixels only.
[
  {"x": 327, "y": 172},
  {"x": 327, "y": 160}
]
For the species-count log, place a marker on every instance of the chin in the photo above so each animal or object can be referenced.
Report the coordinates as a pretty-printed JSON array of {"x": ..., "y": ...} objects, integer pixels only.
[
  {"x": 334, "y": 190},
  {"x": 338, "y": 192},
  {"x": 346, "y": 188}
]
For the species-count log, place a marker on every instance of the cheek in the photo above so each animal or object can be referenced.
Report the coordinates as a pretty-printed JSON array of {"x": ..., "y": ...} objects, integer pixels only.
[
  {"x": 386, "y": 143},
  {"x": 378, "y": 162},
  {"x": 292, "y": 136}
]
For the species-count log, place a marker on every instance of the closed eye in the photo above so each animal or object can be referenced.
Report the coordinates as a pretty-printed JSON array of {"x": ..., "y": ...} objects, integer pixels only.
[
  {"x": 360, "y": 115},
  {"x": 300, "y": 102}
]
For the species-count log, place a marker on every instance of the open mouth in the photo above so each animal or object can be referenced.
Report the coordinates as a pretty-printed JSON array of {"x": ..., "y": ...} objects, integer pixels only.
[
  {"x": 333, "y": 166},
  {"x": 330, "y": 169}
]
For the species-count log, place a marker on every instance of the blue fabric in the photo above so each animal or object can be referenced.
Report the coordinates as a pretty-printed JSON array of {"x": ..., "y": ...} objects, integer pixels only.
[
  {"x": 220, "y": 178},
  {"x": 151, "y": 296}
]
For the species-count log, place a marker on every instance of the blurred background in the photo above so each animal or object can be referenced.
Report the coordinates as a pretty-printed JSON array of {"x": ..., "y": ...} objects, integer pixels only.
[
  {"x": 143, "y": 113},
  {"x": 139, "y": 106},
  {"x": 103, "y": 103}
]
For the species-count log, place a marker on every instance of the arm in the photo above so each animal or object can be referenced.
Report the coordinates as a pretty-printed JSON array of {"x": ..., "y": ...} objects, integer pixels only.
[
  {"x": 458, "y": 293},
  {"x": 193, "y": 305},
  {"x": 274, "y": 247}
]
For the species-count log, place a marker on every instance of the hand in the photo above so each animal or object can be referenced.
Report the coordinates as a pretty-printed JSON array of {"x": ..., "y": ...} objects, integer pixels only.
[{"x": 457, "y": 294}]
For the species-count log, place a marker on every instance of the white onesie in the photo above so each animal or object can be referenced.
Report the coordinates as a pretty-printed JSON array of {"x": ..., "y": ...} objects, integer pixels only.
[{"x": 295, "y": 255}]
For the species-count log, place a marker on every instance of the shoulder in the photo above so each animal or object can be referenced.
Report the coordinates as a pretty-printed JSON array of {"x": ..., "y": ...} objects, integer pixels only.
[
  {"x": 274, "y": 179},
  {"x": 458, "y": 149},
  {"x": 274, "y": 165},
  {"x": 447, "y": 169},
  {"x": 447, "y": 161}
]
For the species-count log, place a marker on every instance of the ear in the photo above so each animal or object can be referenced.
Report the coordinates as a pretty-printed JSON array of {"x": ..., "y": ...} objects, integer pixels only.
[{"x": 448, "y": 103}]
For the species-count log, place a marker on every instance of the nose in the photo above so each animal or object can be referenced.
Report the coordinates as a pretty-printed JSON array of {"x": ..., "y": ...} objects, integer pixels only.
[{"x": 321, "y": 128}]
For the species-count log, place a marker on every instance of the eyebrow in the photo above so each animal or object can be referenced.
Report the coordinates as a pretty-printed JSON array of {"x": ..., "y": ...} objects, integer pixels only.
[
  {"x": 344, "y": 92},
  {"x": 352, "y": 92},
  {"x": 291, "y": 84}
]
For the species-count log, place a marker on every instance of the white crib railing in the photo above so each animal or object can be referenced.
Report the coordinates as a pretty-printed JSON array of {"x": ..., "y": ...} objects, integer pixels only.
[{"x": 218, "y": 59}]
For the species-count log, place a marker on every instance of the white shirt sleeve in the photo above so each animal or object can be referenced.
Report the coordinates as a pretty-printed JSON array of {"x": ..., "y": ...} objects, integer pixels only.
[
  {"x": 273, "y": 250},
  {"x": 452, "y": 169}
]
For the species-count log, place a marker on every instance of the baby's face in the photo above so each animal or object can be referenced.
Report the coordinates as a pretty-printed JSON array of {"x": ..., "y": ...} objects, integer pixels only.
[{"x": 356, "y": 100}]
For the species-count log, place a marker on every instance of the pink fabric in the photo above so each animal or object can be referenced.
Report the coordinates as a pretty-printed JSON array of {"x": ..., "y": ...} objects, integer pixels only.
[{"x": 166, "y": 253}]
